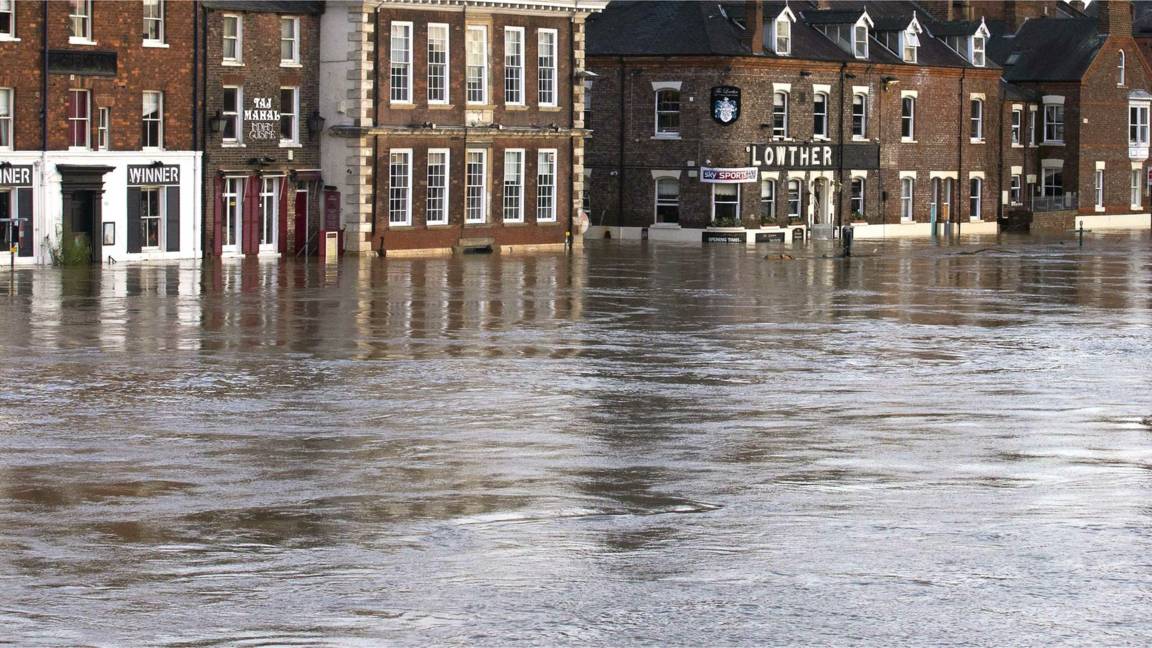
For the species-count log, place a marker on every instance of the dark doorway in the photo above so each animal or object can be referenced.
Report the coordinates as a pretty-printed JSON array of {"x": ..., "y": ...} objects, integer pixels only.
[
  {"x": 81, "y": 224},
  {"x": 81, "y": 188},
  {"x": 303, "y": 234}
]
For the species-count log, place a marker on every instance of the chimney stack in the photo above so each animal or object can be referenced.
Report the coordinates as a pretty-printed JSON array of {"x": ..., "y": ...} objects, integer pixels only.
[
  {"x": 1078, "y": 5},
  {"x": 1114, "y": 17},
  {"x": 754, "y": 25}
]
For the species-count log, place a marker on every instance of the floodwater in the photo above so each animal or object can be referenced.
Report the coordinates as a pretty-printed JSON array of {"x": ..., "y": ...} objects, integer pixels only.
[{"x": 636, "y": 445}]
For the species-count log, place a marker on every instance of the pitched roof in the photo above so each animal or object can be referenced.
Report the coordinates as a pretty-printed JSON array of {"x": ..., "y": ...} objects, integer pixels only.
[{"x": 1048, "y": 49}]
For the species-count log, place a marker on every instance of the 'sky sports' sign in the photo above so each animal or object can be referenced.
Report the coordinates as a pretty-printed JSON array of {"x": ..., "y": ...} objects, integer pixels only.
[{"x": 729, "y": 176}]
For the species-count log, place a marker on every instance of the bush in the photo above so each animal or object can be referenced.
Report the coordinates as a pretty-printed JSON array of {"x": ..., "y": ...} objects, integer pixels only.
[
  {"x": 74, "y": 251},
  {"x": 726, "y": 222}
]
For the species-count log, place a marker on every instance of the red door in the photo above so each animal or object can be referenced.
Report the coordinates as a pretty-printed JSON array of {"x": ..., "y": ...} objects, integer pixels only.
[{"x": 301, "y": 220}]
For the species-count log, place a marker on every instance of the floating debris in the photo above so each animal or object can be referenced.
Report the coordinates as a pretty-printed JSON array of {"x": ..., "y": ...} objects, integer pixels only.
[
  {"x": 780, "y": 257},
  {"x": 1147, "y": 420}
]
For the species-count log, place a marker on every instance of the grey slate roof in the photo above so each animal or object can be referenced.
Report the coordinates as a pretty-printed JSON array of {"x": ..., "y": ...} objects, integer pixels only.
[
  {"x": 686, "y": 27},
  {"x": 268, "y": 6},
  {"x": 1048, "y": 49}
]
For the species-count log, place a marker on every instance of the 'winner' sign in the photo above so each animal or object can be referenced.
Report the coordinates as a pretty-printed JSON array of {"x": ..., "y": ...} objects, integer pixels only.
[{"x": 153, "y": 175}]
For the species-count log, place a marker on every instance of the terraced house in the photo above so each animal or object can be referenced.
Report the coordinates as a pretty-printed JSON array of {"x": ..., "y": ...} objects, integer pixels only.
[{"x": 97, "y": 139}]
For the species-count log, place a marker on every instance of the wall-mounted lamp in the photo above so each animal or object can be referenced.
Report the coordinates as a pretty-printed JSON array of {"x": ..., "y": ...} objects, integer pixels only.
[
  {"x": 315, "y": 123},
  {"x": 805, "y": 74},
  {"x": 157, "y": 163},
  {"x": 216, "y": 122},
  {"x": 889, "y": 80}
]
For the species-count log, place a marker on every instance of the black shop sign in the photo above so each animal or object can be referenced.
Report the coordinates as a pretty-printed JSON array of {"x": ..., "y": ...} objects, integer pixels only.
[
  {"x": 16, "y": 176},
  {"x": 803, "y": 156},
  {"x": 153, "y": 175},
  {"x": 724, "y": 237},
  {"x": 725, "y": 104}
]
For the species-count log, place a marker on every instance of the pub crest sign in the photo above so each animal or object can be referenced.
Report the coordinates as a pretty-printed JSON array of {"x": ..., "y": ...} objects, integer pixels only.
[{"x": 725, "y": 104}]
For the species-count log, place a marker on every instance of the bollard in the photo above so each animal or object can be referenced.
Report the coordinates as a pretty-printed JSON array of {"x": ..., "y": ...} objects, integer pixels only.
[
  {"x": 1081, "y": 231},
  {"x": 846, "y": 239}
]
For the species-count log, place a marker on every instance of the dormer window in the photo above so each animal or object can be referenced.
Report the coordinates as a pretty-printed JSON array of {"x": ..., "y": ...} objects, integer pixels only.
[
  {"x": 977, "y": 49},
  {"x": 911, "y": 46},
  {"x": 860, "y": 41},
  {"x": 783, "y": 38},
  {"x": 782, "y": 33}
]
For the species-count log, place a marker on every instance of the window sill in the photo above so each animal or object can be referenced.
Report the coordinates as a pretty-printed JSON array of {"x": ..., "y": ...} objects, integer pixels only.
[
  {"x": 859, "y": 138},
  {"x": 479, "y": 105},
  {"x": 227, "y": 63},
  {"x": 665, "y": 137},
  {"x": 1099, "y": 209},
  {"x": 976, "y": 140},
  {"x": 908, "y": 140},
  {"x": 156, "y": 44},
  {"x": 549, "y": 108},
  {"x": 401, "y": 226},
  {"x": 1135, "y": 207},
  {"x": 8, "y": 39},
  {"x": 72, "y": 40},
  {"x": 401, "y": 105},
  {"x": 233, "y": 145},
  {"x": 547, "y": 223},
  {"x": 439, "y": 105},
  {"x": 152, "y": 149},
  {"x": 777, "y": 138},
  {"x": 669, "y": 226},
  {"x": 292, "y": 145},
  {"x": 1017, "y": 146},
  {"x": 515, "y": 106},
  {"x": 79, "y": 149},
  {"x": 477, "y": 224},
  {"x": 290, "y": 64},
  {"x": 514, "y": 223},
  {"x": 1053, "y": 143},
  {"x": 821, "y": 138}
]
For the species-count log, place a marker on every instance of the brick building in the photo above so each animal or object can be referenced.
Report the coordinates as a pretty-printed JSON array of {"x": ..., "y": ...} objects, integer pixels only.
[
  {"x": 848, "y": 113},
  {"x": 97, "y": 135},
  {"x": 263, "y": 187},
  {"x": 463, "y": 124},
  {"x": 1080, "y": 151}
]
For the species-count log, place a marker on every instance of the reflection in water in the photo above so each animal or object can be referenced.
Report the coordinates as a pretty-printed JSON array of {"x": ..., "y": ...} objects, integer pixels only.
[{"x": 646, "y": 444}]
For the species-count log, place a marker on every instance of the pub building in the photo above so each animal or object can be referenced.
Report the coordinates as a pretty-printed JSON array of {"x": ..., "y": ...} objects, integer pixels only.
[
  {"x": 760, "y": 121},
  {"x": 263, "y": 188},
  {"x": 97, "y": 151}
]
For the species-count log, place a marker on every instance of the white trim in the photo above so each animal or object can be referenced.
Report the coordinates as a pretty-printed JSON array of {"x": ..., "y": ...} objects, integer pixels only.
[
  {"x": 239, "y": 59},
  {"x": 975, "y": 174},
  {"x": 1100, "y": 166},
  {"x": 447, "y": 185},
  {"x": 407, "y": 152},
  {"x": 821, "y": 87},
  {"x": 1030, "y": 178},
  {"x": 485, "y": 193},
  {"x": 411, "y": 63},
  {"x": 519, "y": 217},
  {"x": 858, "y": 173},
  {"x": 1052, "y": 99},
  {"x": 1016, "y": 170},
  {"x": 1052, "y": 163},
  {"x": 485, "y": 70},
  {"x": 908, "y": 174},
  {"x": 769, "y": 175},
  {"x": 781, "y": 87},
  {"x": 943, "y": 175},
  {"x": 555, "y": 67},
  {"x": 555, "y": 153},
  {"x": 1137, "y": 165},
  {"x": 447, "y": 64},
  {"x": 864, "y": 90},
  {"x": 295, "y": 60},
  {"x": 523, "y": 101},
  {"x": 666, "y": 173},
  {"x": 909, "y": 93},
  {"x": 666, "y": 85}
]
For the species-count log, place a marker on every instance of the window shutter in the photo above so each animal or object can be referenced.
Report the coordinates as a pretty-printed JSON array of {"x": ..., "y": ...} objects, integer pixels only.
[
  {"x": 133, "y": 232},
  {"x": 24, "y": 213},
  {"x": 172, "y": 219}
]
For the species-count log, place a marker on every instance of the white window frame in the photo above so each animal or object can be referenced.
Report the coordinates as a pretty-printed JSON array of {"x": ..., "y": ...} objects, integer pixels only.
[
  {"x": 665, "y": 202},
  {"x": 439, "y": 70},
  {"x": 546, "y": 203},
  {"x": 159, "y": 218},
  {"x": 1015, "y": 189},
  {"x": 1051, "y": 172},
  {"x": 863, "y": 134},
  {"x": 1056, "y": 108},
  {"x": 976, "y": 122},
  {"x": 1121, "y": 68},
  {"x": 400, "y": 62},
  {"x": 512, "y": 191},
  {"x": 975, "y": 198},
  {"x": 782, "y": 132},
  {"x": 822, "y": 115},
  {"x": 1139, "y": 126},
  {"x": 514, "y": 66},
  {"x": 236, "y": 116},
  {"x": 436, "y": 206},
  {"x": 548, "y": 73},
  {"x": 477, "y": 190},
  {"x": 907, "y": 195},
  {"x": 671, "y": 132},
  {"x": 238, "y": 59},
  {"x": 909, "y": 119},
  {"x": 978, "y": 46},
  {"x": 269, "y": 223},
  {"x": 782, "y": 36},
  {"x": 1098, "y": 186},
  {"x": 294, "y": 140},
  {"x": 909, "y": 45},
  {"x": 768, "y": 197},
  {"x": 294, "y": 60},
  {"x": 10, "y": 33},
  {"x": 727, "y": 202},
  {"x": 159, "y": 120},
  {"x": 468, "y": 67},
  {"x": 85, "y": 18},
  {"x": 1016, "y": 127},
  {"x": 87, "y": 121},
  {"x": 860, "y": 45},
  {"x": 852, "y": 199},
  {"x": 1032, "y": 127},
  {"x": 399, "y": 197},
  {"x": 103, "y": 129},
  {"x": 7, "y": 109},
  {"x": 233, "y": 191},
  {"x": 160, "y": 6},
  {"x": 1136, "y": 193},
  {"x": 795, "y": 207}
]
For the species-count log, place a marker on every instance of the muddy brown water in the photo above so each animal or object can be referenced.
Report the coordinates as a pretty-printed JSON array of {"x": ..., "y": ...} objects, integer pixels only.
[{"x": 636, "y": 445}]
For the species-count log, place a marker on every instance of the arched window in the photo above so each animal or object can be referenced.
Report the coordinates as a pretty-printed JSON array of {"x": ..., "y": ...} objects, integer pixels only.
[
  {"x": 780, "y": 115},
  {"x": 820, "y": 115},
  {"x": 767, "y": 201},
  {"x": 668, "y": 112},
  {"x": 667, "y": 200},
  {"x": 793, "y": 199},
  {"x": 1120, "y": 66}
]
